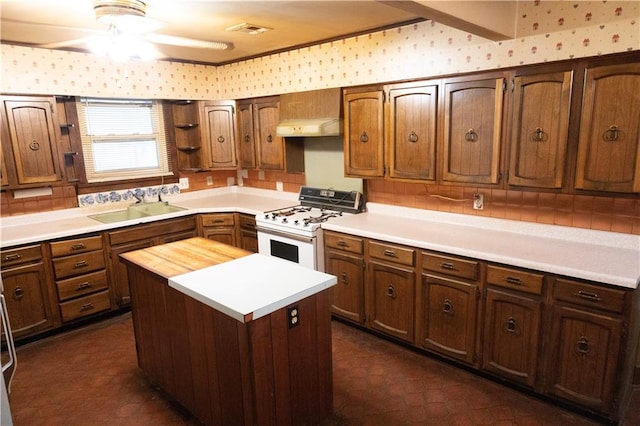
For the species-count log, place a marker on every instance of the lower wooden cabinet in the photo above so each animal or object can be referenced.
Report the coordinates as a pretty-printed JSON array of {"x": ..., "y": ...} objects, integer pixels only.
[
  {"x": 565, "y": 339},
  {"x": 219, "y": 227},
  {"x": 248, "y": 238},
  {"x": 27, "y": 289}
]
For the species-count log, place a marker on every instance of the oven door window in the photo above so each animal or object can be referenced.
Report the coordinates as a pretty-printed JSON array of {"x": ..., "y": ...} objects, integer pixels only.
[{"x": 285, "y": 250}]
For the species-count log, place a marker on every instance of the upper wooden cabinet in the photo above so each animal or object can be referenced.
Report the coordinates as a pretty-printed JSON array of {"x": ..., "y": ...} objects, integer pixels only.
[
  {"x": 412, "y": 131},
  {"x": 609, "y": 146},
  {"x": 472, "y": 130},
  {"x": 540, "y": 129},
  {"x": 246, "y": 141},
  {"x": 364, "y": 133},
  {"x": 219, "y": 134},
  {"x": 270, "y": 146},
  {"x": 32, "y": 147}
]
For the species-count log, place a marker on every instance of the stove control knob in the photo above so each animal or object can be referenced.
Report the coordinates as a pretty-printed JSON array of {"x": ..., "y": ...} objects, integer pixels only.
[
  {"x": 284, "y": 220},
  {"x": 296, "y": 222},
  {"x": 266, "y": 216}
]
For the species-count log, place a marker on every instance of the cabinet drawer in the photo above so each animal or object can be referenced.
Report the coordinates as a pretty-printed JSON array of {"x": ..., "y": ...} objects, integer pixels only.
[
  {"x": 593, "y": 296},
  {"x": 84, "y": 306},
  {"x": 344, "y": 242},
  {"x": 81, "y": 285},
  {"x": 138, "y": 233},
  {"x": 21, "y": 255},
  {"x": 453, "y": 266},
  {"x": 397, "y": 254},
  {"x": 78, "y": 264},
  {"x": 528, "y": 282},
  {"x": 79, "y": 245},
  {"x": 248, "y": 222},
  {"x": 223, "y": 219}
]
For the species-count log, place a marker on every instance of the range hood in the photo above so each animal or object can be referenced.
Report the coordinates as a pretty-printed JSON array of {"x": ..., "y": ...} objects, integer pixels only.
[{"x": 311, "y": 114}]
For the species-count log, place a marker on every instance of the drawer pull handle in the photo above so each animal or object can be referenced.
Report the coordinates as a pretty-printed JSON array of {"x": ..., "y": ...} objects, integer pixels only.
[
  {"x": 218, "y": 221},
  {"x": 344, "y": 278},
  {"x": 83, "y": 286},
  {"x": 447, "y": 307},
  {"x": 14, "y": 256},
  {"x": 447, "y": 265},
  {"x": 471, "y": 136},
  {"x": 342, "y": 243},
  {"x": 18, "y": 293},
  {"x": 514, "y": 281},
  {"x": 583, "y": 345},
  {"x": 79, "y": 246},
  {"x": 593, "y": 297},
  {"x": 86, "y": 307},
  {"x": 511, "y": 325},
  {"x": 364, "y": 138},
  {"x": 391, "y": 291},
  {"x": 81, "y": 264},
  {"x": 390, "y": 253}
]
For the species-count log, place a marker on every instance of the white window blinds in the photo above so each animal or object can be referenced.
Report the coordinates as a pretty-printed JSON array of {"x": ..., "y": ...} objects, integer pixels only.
[{"x": 122, "y": 139}]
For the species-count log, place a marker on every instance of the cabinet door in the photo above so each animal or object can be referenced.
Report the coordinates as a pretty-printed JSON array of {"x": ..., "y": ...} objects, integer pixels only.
[
  {"x": 609, "y": 145},
  {"x": 28, "y": 304},
  {"x": 270, "y": 145},
  {"x": 391, "y": 300},
  {"x": 185, "y": 119},
  {"x": 449, "y": 317},
  {"x": 472, "y": 131},
  {"x": 583, "y": 357},
  {"x": 246, "y": 141},
  {"x": 221, "y": 234},
  {"x": 120, "y": 285},
  {"x": 412, "y": 132},
  {"x": 511, "y": 335},
  {"x": 364, "y": 134},
  {"x": 220, "y": 135},
  {"x": 540, "y": 129},
  {"x": 33, "y": 130},
  {"x": 348, "y": 295}
]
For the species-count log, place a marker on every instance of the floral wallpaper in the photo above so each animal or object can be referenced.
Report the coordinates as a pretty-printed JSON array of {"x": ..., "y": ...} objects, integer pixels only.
[
  {"x": 547, "y": 31},
  {"x": 133, "y": 194}
]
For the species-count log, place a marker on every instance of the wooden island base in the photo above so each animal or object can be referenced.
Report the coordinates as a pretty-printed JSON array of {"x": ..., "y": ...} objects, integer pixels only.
[{"x": 224, "y": 371}]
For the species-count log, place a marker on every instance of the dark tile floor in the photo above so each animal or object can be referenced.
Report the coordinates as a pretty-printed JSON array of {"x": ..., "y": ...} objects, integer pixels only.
[{"x": 89, "y": 376}]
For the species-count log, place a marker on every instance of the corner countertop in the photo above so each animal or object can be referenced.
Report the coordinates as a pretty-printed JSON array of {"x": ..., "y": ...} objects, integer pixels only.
[
  {"x": 605, "y": 257},
  {"x": 233, "y": 281},
  {"x": 37, "y": 227}
]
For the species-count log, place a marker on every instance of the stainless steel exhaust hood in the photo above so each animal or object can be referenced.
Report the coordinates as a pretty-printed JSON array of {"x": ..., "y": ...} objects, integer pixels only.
[{"x": 311, "y": 114}]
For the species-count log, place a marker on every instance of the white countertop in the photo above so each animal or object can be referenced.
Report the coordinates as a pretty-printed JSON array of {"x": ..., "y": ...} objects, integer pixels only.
[
  {"x": 30, "y": 228},
  {"x": 235, "y": 289},
  {"x": 605, "y": 257}
]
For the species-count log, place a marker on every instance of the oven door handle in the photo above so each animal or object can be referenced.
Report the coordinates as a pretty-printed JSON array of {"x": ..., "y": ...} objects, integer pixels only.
[{"x": 284, "y": 234}]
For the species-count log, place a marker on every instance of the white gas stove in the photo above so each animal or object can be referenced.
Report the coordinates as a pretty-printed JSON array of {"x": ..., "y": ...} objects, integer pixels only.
[{"x": 294, "y": 233}]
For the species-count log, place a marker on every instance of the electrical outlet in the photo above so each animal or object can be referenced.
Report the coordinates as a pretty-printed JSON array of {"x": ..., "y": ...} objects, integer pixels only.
[
  {"x": 279, "y": 186},
  {"x": 292, "y": 316},
  {"x": 183, "y": 183},
  {"x": 209, "y": 180},
  {"x": 478, "y": 201},
  {"x": 260, "y": 175},
  {"x": 231, "y": 181}
]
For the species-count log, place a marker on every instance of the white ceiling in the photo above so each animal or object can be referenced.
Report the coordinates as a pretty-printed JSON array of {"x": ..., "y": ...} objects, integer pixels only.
[{"x": 294, "y": 22}]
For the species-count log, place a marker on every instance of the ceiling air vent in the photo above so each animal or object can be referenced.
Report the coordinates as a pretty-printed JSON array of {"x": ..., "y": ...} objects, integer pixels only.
[{"x": 249, "y": 28}]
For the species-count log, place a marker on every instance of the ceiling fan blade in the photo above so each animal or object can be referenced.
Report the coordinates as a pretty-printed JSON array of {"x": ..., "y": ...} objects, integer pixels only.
[
  {"x": 188, "y": 42},
  {"x": 52, "y": 26},
  {"x": 65, "y": 43}
]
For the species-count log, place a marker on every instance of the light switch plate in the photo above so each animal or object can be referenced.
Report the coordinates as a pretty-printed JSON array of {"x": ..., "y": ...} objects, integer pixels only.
[{"x": 183, "y": 183}]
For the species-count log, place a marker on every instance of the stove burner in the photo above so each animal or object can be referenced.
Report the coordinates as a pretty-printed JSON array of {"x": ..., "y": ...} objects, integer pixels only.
[
  {"x": 322, "y": 218},
  {"x": 291, "y": 211}
]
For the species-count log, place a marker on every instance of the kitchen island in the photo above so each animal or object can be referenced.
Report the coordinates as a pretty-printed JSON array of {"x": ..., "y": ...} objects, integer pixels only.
[{"x": 236, "y": 338}]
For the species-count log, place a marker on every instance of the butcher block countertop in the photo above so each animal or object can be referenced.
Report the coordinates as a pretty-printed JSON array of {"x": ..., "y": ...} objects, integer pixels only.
[{"x": 240, "y": 284}]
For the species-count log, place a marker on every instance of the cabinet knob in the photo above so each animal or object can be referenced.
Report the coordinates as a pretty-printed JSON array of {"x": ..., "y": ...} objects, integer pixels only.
[
  {"x": 364, "y": 137},
  {"x": 247, "y": 139},
  {"x": 447, "y": 307},
  {"x": 344, "y": 278},
  {"x": 18, "y": 293},
  {"x": 391, "y": 291},
  {"x": 511, "y": 325},
  {"x": 539, "y": 135},
  {"x": 471, "y": 136},
  {"x": 583, "y": 345},
  {"x": 220, "y": 139},
  {"x": 34, "y": 145},
  {"x": 269, "y": 138},
  {"x": 612, "y": 134},
  {"x": 413, "y": 137}
]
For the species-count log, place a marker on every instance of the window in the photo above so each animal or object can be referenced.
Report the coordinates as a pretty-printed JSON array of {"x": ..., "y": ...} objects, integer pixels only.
[{"x": 122, "y": 139}]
